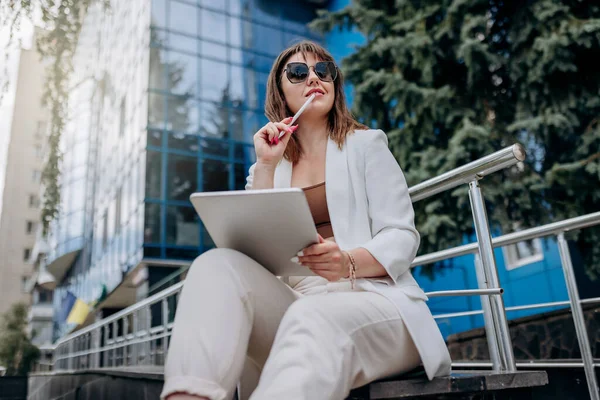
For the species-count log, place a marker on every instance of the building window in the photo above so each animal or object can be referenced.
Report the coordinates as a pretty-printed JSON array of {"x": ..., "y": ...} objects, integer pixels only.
[
  {"x": 122, "y": 117},
  {"x": 45, "y": 296},
  {"x": 34, "y": 202},
  {"x": 152, "y": 223},
  {"x": 30, "y": 227},
  {"x": 24, "y": 280},
  {"x": 118, "y": 211},
  {"x": 104, "y": 230},
  {"x": 523, "y": 253},
  {"x": 38, "y": 150},
  {"x": 182, "y": 177},
  {"x": 153, "y": 174},
  {"x": 26, "y": 254},
  {"x": 182, "y": 227},
  {"x": 36, "y": 176},
  {"x": 41, "y": 129},
  {"x": 216, "y": 175}
]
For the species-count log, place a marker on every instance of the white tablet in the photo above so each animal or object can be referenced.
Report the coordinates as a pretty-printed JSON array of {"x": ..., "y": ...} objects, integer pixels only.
[{"x": 270, "y": 226}]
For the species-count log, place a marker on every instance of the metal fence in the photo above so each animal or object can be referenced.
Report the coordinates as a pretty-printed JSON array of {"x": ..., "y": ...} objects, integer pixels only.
[
  {"x": 557, "y": 230},
  {"x": 139, "y": 335}
]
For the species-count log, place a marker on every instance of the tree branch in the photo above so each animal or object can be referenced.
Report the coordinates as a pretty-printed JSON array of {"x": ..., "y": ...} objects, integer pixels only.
[{"x": 577, "y": 164}]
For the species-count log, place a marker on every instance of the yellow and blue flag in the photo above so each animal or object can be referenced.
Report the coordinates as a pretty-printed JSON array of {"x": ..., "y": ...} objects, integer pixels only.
[{"x": 73, "y": 310}]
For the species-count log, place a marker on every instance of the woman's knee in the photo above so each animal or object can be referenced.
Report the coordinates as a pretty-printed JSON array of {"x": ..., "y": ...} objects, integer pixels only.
[
  {"x": 217, "y": 254},
  {"x": 213, "y": 258},
  {"x": 306, "y": 313},
  {"x": 209, "y": 264},
  {"x": 222, "y": 263}
]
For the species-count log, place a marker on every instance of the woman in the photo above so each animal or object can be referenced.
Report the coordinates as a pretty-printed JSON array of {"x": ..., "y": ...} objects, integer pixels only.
[{"x": 362, "y": 316}]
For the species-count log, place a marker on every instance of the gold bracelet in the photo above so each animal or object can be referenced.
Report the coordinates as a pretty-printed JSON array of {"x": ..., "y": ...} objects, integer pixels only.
[{"x": 351, "y": 269}]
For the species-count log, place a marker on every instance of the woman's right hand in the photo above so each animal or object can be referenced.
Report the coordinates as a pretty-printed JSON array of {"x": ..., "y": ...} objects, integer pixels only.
[{"x": 269, "y": 148}]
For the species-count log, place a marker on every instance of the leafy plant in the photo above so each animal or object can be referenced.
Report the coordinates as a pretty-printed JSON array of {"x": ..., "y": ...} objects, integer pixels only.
[
  {"x": 17, "y": 353},
  {"x": 56, "y": 43}
]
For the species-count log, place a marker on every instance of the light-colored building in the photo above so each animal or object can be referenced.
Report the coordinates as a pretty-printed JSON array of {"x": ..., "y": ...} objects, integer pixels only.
[
  {"x": 41, "y": 287},
  {"x": 20, "y": 213}
]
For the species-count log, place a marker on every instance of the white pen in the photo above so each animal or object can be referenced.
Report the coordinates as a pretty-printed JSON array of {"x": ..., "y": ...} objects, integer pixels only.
[{"x": 300, "y": 111}]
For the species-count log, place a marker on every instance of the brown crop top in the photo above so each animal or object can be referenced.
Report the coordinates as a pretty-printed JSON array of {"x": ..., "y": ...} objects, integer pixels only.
[{"x": 317, "y": 202}]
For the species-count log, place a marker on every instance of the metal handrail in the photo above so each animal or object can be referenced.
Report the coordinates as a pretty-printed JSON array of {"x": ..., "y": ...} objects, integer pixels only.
[
  {"x": 466, "y": 292},
  {"x": 526, "y": 364},
  {"x": 125, "y": 312},
  {"x": 554, "y": 228},
  {"x": 517, "y": 308},
  {"x": 475, "y": 170}
]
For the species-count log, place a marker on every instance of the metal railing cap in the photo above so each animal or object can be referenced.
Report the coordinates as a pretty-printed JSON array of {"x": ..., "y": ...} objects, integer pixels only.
[{"x": 477, "y": 169}]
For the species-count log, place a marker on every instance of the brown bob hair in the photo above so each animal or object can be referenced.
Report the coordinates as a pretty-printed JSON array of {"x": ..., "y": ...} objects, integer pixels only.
[{"x": 340, "y": 121}]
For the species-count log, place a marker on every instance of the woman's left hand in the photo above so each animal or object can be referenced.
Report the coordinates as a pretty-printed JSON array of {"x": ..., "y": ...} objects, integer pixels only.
[{"x": 326, "y": 259}]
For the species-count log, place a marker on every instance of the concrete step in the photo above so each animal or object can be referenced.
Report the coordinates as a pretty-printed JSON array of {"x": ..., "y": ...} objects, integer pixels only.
[
  {"x": 145, "y": 383},
  {"x": 463, "y": 385},
  {"x": 13, "y": 388},
  {"x": 100, "y": 384}
]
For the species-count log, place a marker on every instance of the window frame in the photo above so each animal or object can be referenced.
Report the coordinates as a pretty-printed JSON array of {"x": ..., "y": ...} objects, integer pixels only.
[{"x": 511, "y": 257}]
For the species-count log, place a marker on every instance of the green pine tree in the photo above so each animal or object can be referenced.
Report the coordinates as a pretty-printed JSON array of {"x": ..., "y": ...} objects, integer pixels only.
[
  {"x": 17, "y": 353},
  {"x": 453, "y": 80}
]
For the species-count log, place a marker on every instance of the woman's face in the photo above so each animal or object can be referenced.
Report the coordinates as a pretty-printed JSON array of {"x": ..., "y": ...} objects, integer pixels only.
[{"x": 297, "y": 94}]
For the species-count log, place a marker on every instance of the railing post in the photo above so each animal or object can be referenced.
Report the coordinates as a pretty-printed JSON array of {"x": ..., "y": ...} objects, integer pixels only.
[
  {"x": 145, "y": 323},
  {"x": 490, "y": 332},
  {"x": 105, "y": 352},
  {"x": 578, "y": 318},
  {"x": 95, "y": 348},
  {"x": 165, "y": 323},
  {"x": 488, "y": 262},
  {"x": 75, "y": 364},
  {"x": 134, "y": 349},
  {"x": 113, "y": 362},
  {"x": 55, "y": 355},
  {"x": 76, "y": 348},
  {"x": 70, "y": 357},
  {"x": 151, "y": 344},
  {"x": 125, "y": 339}
]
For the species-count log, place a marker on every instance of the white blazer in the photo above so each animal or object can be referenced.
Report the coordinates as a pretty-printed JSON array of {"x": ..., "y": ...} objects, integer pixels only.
[{"x": 369, "y": 206}]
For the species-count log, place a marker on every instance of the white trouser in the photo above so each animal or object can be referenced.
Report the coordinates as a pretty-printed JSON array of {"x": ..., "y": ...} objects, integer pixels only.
[{"x": 233, "y": 315}]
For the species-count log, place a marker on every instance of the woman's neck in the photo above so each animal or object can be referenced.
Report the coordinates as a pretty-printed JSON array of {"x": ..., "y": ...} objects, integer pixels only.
[{"x": 312, "y": 135}]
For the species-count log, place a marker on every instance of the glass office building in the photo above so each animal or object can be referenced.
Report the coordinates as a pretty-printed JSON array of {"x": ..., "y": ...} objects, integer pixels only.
[
  {"x": 168, "y": 96},
  {"x": 209, "y": 62},
  {"x": 98, "y": 236}
]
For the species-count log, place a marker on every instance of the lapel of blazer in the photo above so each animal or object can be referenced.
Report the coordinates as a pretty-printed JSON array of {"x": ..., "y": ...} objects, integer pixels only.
[{"x": 336, "y": 188}]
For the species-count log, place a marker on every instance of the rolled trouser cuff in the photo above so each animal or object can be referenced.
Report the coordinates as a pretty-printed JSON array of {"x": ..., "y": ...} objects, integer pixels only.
[{"x": 194, "y": 386}]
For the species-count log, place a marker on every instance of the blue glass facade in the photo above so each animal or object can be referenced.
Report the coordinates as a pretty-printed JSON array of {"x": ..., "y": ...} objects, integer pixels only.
[
  {"x": 98, "y": 236},
  {"x": 170, "y": 111},
  {"x": 209, "y": 63}
]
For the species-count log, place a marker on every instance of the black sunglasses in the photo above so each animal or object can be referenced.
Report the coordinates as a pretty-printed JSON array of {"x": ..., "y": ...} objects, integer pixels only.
[{"x": 297, "y": 72}]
